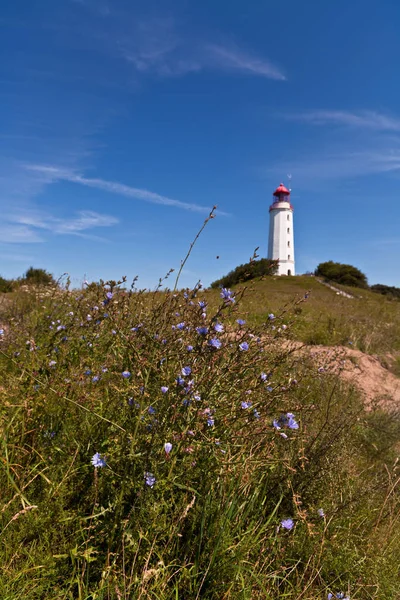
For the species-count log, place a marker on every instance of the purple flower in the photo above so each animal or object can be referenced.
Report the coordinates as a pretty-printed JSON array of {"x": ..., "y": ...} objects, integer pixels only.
[
  {"x": 181, "y": 325},
  {"x": 227, "y": 295},
  {"x": 180, "y": 381},
  {"x": 126, "y": 374},
  {"x": 244, "y": 346},
  {"x": 269, "y": 388},
  {"x": 186, "y": 371},
  {"x": 215, "y": 343},
  {"x": 52, "y": 363},
  {"x": 167, "y": 448},
  {"x": 210, "y": 421},
  {"x": 151, "y": 410},
  {"x": 97, "y": 461},
  {"x": 287, "y": 524},
  {"x": 149, "y": 479},
  {"x": 202, "y": 304},
  {"x": 246, "y": 404},
  {"x": 287, "y": 420},
  {"x": 218, "y": 327},
  {"x": 95, "y": 379},
  {"x": 263, "y": 376},
  {"x": 109, "y": 295},
  {"x": 320, "y": 512},
  {"x": 240, "y": 322},
  {"x": 164, "y": 389},
  {"x": 271, "y": 317},
  {"x": 202, "y": 330},
  {"x": 256, "y": 414},
  {"x": 189, "y": 348}
]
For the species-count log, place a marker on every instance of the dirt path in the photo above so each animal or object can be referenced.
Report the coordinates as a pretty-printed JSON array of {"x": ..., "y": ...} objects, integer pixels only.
[{"x": 365, "y": 371}]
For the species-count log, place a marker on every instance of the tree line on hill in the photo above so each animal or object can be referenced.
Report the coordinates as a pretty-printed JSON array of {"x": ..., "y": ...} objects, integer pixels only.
[{"x": 330, "y": 271}]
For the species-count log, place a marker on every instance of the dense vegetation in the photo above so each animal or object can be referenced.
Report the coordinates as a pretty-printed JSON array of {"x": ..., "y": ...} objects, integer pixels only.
[
  {"x": 343, "y": 274},
  {"x": 160, "y": 446},
  {"x": 251, "y": 270},
  {"x": 386, "y": 290}
]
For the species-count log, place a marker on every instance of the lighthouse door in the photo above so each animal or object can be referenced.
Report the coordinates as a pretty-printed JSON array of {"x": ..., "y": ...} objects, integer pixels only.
[{"x": 289, "y": 272}]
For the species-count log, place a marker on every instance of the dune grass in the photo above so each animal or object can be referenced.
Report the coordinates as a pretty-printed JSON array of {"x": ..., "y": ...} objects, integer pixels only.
[{"x": 154, "y": 447}]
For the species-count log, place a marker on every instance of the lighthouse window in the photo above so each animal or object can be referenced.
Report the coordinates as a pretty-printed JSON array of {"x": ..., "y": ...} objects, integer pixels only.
[
  {"x": 288, "y": 244},
  {"x": 288, "y": 217},
  {"x": 288, "y": 256},
  {"x": 288, "y": 229}
]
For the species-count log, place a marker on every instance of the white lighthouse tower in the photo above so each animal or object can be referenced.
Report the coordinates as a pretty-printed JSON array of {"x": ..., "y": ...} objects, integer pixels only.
[{"x": 281, "y": 240}]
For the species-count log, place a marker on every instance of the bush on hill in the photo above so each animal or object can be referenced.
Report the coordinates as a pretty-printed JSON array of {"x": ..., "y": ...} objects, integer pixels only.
[
  {"x": 5, "y": 285},
  {"x": 38, "y": 277},
  {"x": 386, "y": 290},
  {"x": 250, "y": 270},
  {"x": 342, "y": 273}
]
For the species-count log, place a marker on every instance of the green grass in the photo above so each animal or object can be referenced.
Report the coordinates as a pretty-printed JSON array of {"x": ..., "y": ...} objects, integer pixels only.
[{"x": 210, "y": 526}]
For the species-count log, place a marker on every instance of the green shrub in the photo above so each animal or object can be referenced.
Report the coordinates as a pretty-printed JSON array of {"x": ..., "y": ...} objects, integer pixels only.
[
  {"x": 341, "y": 273},
  {"x": 5, "y": 285},
  {"x": 251, "y": 270},
  {"x": 38, "y": 277}
]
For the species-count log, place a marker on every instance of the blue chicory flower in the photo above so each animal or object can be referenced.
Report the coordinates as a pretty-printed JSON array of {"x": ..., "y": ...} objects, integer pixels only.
[
  {"x": 98, "y": 461},
  {"x": 240, "y": 322},
  {"x": 181, "y": 325},
  {"x": 149, "y": 479},
  {"x": 218, "y": 327},
  {"x": 186, "y": 371},
  {"x": 210, "y": 421},
  {"x": 215, "y": 343},
  {"x": 202, "y": 330},
  {"x": 244, "y": 346},
  {"x": 164, "y": 389},
  {"x": 126, "y": 374},
  {"x": 167, "y": 448},
  {"x": 189, "y": 348},
  {"x": 287, "y": 524},
  {"x": 246, "y": 404}
]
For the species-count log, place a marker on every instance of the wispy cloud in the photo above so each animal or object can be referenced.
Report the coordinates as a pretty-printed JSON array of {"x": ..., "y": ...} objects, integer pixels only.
[
  {"x": 50, "y": 174},
  {"x": 156, "y": 47},
  {"x": 365, "y": 119},
  {"x": 11, "y": 233},
  {"x": 235, "y": 59},
  {"x": 339, "y": 165},
  {"x": 85, "y": 219}
]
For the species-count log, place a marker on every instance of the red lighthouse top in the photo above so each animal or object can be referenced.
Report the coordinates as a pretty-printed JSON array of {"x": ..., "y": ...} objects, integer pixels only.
[
  {"x": 281, "y": 190},
  {"x": 281, "y": 194}
]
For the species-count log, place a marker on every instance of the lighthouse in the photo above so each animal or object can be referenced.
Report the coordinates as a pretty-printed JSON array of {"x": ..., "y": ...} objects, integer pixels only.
[{"x": 281, "y": 240}]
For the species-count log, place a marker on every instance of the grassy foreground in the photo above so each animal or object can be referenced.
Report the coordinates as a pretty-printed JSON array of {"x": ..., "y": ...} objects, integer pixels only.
[{"x": 156, "y": 446}]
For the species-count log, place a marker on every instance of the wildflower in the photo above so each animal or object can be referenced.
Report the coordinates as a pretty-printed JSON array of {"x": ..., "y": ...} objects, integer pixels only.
[
  {"x": 256, "y": 414},
  {"x": 180, "y": 381},
  {"x": 321, "y": 513},
  {"x": 263, "y": 376},
  {"x": 202, "y": 304},
  {"x": 246, "y": 404},
  {"x": 181, "y": 325},
  {"x": 269, "y": 388},
  {"x": 287, "y": 420},
  {"x": 164, "y": 341},
  {"x": 126, "y": 374},
  {"x": 186, "y": 371},
  {"x": 113, "y": 332},
  {"x": 227, "y": 295},
  {"x": 202, "y": 330},
  {"x": 339, "y": 596},
  {"x": 189, "y": 348},
  {"x": 52, "y": 363},
  {"x": 271, "y": 317},
  {"x": 215, "y": 343},
  {"x": 167, "y": 448},
  {"x": 287, "y": 524},
  {"x": 240, "y": 322},
  {"x": 149, "y": 479},
  {"x": 88, "y": 372},
  {"x": 104, "y": 369},
  {"x": 151, "y": 410},
  {"x": 244, "y": 346},
  {"x": 95, "y": 379},
  {"x": 97, "y": 461},
  {"x": 218, "y": 327},
  {"x": 1, "y": 331},
  {"x": 109, "y": 295},
  {"x": 321, "y": 370},
  {"x": 284, "y": 327},
  {"x": 210, "y": 421},
  {"x": 164, "y": 389}
]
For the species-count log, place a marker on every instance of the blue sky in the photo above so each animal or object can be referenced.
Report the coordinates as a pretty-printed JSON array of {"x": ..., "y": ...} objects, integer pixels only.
[{"x": 123, "y": 122}]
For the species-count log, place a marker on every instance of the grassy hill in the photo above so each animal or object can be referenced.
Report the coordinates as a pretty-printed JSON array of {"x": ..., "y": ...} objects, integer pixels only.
[{"x": 156, "y": 446}]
